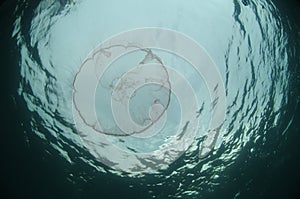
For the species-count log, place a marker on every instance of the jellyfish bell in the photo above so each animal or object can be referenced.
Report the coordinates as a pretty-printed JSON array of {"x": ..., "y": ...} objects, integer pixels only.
[{"x": 153, "y": 86}]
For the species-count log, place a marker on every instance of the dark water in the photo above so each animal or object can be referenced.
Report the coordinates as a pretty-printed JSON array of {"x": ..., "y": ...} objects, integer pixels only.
[{"x": 255, "y": 44}]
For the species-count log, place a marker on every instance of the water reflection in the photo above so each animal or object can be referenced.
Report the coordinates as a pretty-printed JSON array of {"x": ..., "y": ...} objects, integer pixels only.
[{"x": 246, "y": 39}]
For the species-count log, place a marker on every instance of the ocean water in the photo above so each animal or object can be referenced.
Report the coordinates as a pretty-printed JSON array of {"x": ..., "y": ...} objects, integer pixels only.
[{"x": 254, "y": 46}]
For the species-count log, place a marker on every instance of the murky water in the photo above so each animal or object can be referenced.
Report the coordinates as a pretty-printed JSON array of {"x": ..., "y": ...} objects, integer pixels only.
[{"x": 249, "y": 41}]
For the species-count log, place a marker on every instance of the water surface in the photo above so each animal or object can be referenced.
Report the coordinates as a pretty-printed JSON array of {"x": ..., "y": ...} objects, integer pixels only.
[{"x": 255, "y": 46}]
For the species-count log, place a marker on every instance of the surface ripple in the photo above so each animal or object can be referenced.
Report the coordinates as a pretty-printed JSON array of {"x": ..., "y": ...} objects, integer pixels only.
[{"x": 249, "y": 42}]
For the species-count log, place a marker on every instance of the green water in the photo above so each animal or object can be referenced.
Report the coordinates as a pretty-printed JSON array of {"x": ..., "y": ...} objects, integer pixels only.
[{"x": 254, "y": 43}]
